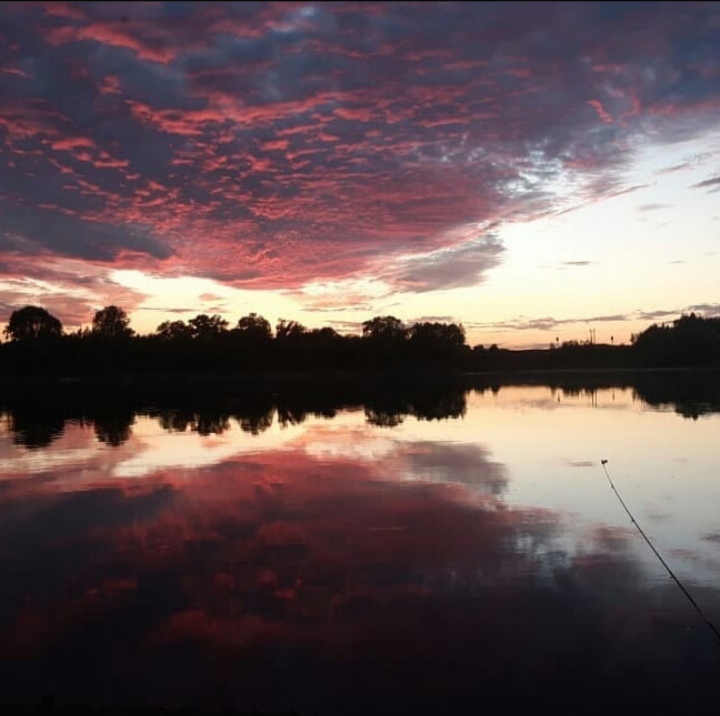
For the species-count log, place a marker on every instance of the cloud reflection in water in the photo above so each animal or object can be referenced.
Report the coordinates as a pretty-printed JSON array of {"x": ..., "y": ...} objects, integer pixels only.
[{"x": 327, "y": 567}]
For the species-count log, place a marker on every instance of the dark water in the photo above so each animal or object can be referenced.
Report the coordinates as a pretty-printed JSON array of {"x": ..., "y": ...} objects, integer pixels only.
[{"x": 427, "y": 551}]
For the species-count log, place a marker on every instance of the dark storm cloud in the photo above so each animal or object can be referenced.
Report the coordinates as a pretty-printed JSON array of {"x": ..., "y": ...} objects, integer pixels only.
[{"x": 272, "y": 144}]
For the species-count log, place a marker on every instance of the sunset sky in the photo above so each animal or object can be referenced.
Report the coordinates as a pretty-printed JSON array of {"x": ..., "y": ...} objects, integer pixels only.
[{"x": 532, "y": 170}]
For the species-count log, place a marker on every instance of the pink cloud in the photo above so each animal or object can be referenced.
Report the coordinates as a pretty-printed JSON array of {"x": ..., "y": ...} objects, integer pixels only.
[
  {"x": 274, "y": 146},
  {"x": 601, "y": 111},
  {"x": 73, "y": 143},
  {"x": 107, "y": 34}
]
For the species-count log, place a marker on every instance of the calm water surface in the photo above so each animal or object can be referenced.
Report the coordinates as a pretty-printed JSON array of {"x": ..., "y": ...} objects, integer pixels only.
[{"x": 365, "y": 559}]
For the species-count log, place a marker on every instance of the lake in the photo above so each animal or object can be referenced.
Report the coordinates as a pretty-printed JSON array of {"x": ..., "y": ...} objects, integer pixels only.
[{"x": 415, "y": 549}]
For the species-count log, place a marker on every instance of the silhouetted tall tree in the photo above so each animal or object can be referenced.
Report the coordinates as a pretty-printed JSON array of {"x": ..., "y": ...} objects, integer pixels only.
[
  {"x": 436, "y": 343},
  {"x": 32, "y": 323},
  {"x": 254, "y": 326},
  {"x": 449, "y": 334},
  {"x": 112, "y": 322}
]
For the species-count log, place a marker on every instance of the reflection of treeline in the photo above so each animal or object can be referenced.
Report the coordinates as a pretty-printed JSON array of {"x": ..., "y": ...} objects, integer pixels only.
[
  {"x": 691, "y": 393},
  {"x": 37, "y": 416},
  {"x": 37, "y": 413},
  {"x": 206, "y": 344}
]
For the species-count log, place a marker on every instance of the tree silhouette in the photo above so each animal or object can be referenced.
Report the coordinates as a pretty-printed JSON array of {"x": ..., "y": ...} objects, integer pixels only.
[
  {"x": 112, "y": 322},
  {"x": 204, "y": 326},
  {"x": 384, "y": 327},
  {"x": 448, "y": 334},
  {"x": 205, "y": 345},
  {"x": 289, "y": 330},
  {"x": 436, "y": 343},
  {"x": 325, "y": 333},
  {"x": 174, "y": 330},
  {"x": 32, "y": 323},
  {"x": 254, "y": 326},
  {"x": 690, "y": 340}
]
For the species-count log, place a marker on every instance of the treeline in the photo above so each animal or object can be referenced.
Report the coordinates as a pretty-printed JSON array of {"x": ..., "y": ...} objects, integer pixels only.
[
  {"x": 38, "y": 345},
  {"x": 690, "y": 340},
  {"x": 207, "y": 344}
]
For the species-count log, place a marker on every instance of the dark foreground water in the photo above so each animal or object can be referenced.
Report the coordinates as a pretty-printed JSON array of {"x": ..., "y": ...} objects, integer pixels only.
[{"x": 429, "y": 551}]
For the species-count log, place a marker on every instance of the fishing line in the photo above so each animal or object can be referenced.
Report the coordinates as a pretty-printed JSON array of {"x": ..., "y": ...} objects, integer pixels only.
[{"x": 707, "y": 621}]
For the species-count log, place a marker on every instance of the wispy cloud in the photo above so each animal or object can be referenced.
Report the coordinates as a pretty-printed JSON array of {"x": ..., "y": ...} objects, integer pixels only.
[
  {"x": 578, "y": 263},
  {"x": 658, "y": 314},
  {"x": 709, "y": 310},
  {"x": 463, "y": 265},
  {"x": 712, "y": 182},
  {"x": 545, "y": 323}
]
